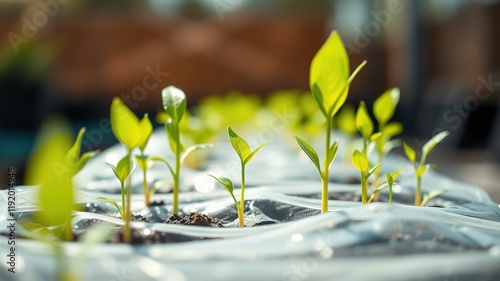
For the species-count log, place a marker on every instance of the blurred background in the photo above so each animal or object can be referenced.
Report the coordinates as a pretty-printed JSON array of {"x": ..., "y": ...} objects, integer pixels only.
[{"x": 71, "y": 57}]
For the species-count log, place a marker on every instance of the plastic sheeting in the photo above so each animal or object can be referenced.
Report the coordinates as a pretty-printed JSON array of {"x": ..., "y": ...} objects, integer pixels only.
[{"x": 456, "y": 237}]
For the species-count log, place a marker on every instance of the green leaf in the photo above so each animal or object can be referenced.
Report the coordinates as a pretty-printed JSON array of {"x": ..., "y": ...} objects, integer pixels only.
[
  {"x": 346, "y": 120},
  {"x": 376, "y": 191},
  {"x": 330, "y": 73},
  {"x": 332, "y": 152},
  {"x": 123, "y": 169},
  {"x": 372, "y": 170},
  {"x": 422, "y": 169},
  {"x": 395, "y": 174},
  {"x": 194, "y": 148},
  {"x": 385, "y": 105},
  {"x": 143, "y": 162},
  {"x": 239, "y": 144},
  {"x": 174, "y": 102},
  {"x": 390, "y": 179},
  {"x": 253, "y": 153},
  {"x": 430, "y": 195},
  {"x": 225, "y": 182},
  {"x": 377, "y": 136},
  {"x": 431, "y": 144},
  {"x": 145, "y": 128},
  {"x": 73, "y": 153},
  {"x": 410, "y": 153},
  {"x": 172, "y": 130},
  {"x": 113, "y": 202},
  {"x": 124, "y": 124},
  {"x": 84, "y": 159},
  {"x": 363, "y": 121},
  {"x": 310, "y": 152},
  {"x": 159, "y": 159},
  {"x": 359, "y": 161},
  {"x": 392, "y": 129},
  {"x": 47, "y": 167}
]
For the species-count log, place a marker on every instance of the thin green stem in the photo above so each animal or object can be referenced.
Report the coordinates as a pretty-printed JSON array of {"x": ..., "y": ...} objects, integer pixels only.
[
  {"x": 145, "y": 186},
  {"x": 364, "y": 192},
  {"x": 390, "y": 194},
  {"x": 122, "y": 211},
  {"x": 241, "y": 219},
  {"x": 177, "y": 170},
  {"x": 127, "y": 235},
  {"x": 417, "y": 192},
  {"x": 326, "y": 169}
]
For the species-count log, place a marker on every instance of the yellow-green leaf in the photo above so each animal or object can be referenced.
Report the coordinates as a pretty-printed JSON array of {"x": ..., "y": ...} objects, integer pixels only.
[
  {"x": 330, "y": 73},
  {"x": 124, "y": 124},
  {"x": 392, "y": 129},
  {"x": 145, "y": 128},
  {"x": 359, "y": 161},
  {"x": 410, "y": 153},
  {"x": 346, "y": 120},
  {"x": 239, "y": 144},
  {"x": 431, "y": 144},
  {"x": 310, "y": 152},
  {"x": 385, "y": 105},
  {"x": 363, "y": 121}
]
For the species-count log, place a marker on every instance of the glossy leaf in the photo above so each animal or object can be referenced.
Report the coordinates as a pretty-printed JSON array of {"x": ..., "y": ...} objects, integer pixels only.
[
  {"x": 174, "y": 102},
  {"x": 310, "y": 152},
  {"x": 410, "y": 153},
  {"x": 225, "y": 182},
  {"x": 363, "y": 121},
  {"x": 239, "y": 144},
  {"x": 374, "y": 168},
  {"x": 172, "y": 130},
  {"x": 123, "y": 169},
  {"x": 146, "y": 129},
  {"x": 385, "y": 105},
  {"x": 124, "y": 124},
  {"x": 330, "y": 72},
  {"x": 359, "y": 161},
  {"x": 431, "y": 144},
  {"x": 250, "y": 157},
  {"x": 332, "y": 152}
]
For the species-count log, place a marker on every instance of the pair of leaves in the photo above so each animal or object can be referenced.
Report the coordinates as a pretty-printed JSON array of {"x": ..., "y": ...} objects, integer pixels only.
[
  {"x": 174, "y": 102},
  {"x": 127, "y": 128},
  {"x": 241, "y": 146},
  {"x": 313, "y": 155},
  {"x": 124, "y": 169},
  {"x": 329, "y": 78},
  {"x": 391, "y": 178},
  {"x": 73, "y": 157},
  {"x": 426, "y": 149}
]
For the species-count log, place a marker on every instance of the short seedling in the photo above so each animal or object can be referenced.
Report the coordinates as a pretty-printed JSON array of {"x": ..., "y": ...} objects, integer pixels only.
[
  {"x": 361, "y": 163},
  {"x": 245, "y": 154},
  {"x": 174, "y": 104},
  {"x": 329, "y": 81},
  {"x": 422, "y": 167},
  {"x": 391, "y": 178}
]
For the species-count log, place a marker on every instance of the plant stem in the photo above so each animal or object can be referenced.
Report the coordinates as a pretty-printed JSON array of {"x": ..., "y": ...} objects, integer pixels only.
[
  {"x": 122, "y": 212},
  {"x": 390, "y": 194},
  {"x": 364, "y": 192},
  {"x": 417, "y": 192},
  {"x": 326, "y": 169},
  {"x": 241, "y": 210},
  {"x": 145, "y": 187},
  {"x": 127, "y": 235},
  {"x": 177, "y": 170}
]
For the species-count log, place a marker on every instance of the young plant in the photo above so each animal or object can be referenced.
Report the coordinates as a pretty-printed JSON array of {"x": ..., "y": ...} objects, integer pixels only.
[
  {"x": 131, "y": 133},
  {"x": 383, "y": 110},
  {"x": 360, "y": 160},
  {"x": 245, "y": 154},
  {"x": 53, "y": 168},
  {"x": 174, "y": 104},
  {"x": 143, "y": 160},
  {"x": 391, "y": 178},
  {"x": 422, "y": 167},
  {"x": 361, "y": 163},
  {"x": 329, "y": 81}
]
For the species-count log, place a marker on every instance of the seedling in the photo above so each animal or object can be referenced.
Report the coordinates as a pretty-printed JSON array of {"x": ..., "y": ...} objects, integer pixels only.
[
  {"x": 174, "y": 104},
  {"x": 422, "y": 167},
  {"x": 245, "y": 154},
  {"x": 391, "y": 178},
  {"x": 383, "y": 110},
  {"x": 53, "y": 168},
  {"x": 329, "y": 81},
  {"x": 131, "y": 133},
  {"x": 361, "y": 163}
]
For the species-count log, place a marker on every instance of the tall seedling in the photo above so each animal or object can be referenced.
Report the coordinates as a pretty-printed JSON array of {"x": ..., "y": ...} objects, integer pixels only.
[
  {"x": 131, "y": 133},
  {"x": 422, "y": 167},
  {"x": 174, "y": 104},
  {"x": 329, "y": 81}
]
